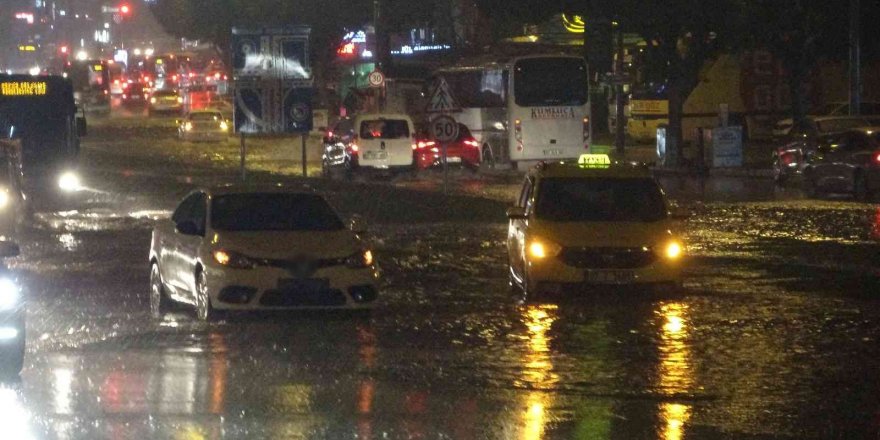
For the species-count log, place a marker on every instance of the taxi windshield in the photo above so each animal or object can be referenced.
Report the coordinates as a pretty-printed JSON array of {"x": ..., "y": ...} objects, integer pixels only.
[{"x": 599, "y": 200}]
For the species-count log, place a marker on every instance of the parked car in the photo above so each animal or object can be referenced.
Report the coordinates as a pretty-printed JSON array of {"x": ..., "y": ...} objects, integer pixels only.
[
  {"x": 240, "y": 248},
  {"x": 846, "y": 162},
  {"x": 465, "y": 151},
  {"x": 789, "y": 159},
  {"x": 12, "y": 315},
  {"x": 340, "y": 153},
  {"x": 784, "y": 126},
  {"x": 374, "y": 142},
  {"x": 165, "y": 101},
  {"x": 207, "y": 125}
]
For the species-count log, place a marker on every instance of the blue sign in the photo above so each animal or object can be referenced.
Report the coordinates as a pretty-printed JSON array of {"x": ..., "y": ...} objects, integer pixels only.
[{"x": 273, "y": 80}]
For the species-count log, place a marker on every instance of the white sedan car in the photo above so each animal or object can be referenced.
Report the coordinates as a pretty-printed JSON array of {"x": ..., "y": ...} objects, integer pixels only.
[
  {"x": 249, "y": 248},
  {"x": 203, "y": 125}
]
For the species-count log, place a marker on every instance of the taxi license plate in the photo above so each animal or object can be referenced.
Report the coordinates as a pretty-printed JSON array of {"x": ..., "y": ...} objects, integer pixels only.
[
  {"x": 610, "y": 276},
  {"x": 375, "y": 155},
  {"x": 555, "y": 152}
]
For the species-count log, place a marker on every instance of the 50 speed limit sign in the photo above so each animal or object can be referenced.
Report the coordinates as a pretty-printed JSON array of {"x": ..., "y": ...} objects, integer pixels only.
[{"x": 444, "y": 128}]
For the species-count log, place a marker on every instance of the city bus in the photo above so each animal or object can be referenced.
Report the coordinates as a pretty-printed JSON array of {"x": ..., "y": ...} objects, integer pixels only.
[
  {"x": 523, "y": 109},
  {"x": 91, "y": 84}
]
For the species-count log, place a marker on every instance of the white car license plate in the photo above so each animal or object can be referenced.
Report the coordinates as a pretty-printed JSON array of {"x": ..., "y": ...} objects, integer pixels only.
[
  {"x": 453, "y": 159},
  {"x": 554, "y": 152},
  {"x": 610, "y": 276},
  {"x": 375, "y": 155}
]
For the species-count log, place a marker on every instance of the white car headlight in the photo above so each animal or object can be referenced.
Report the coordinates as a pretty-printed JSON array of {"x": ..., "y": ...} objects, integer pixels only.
[
  {"x": 69, "y": 181},
  {"x": 9, "y": 294},
  {"x": 4, "y": 197}
]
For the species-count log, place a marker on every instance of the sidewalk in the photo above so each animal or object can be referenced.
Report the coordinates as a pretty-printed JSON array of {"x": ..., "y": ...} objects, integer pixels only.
[{"x": 756, "y": 160}]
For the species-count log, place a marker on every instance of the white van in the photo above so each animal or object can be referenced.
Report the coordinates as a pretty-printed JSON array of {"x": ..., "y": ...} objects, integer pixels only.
[{"x": 384, "y": 141}]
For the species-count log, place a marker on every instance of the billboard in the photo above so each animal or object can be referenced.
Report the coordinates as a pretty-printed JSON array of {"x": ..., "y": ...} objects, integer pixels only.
[{"x": 273, "y": 79}]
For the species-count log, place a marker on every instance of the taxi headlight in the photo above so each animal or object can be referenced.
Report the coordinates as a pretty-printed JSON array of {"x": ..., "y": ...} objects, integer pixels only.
[
  {"x": 188, "y": 126},
  {"x": 540, "y": 249},
  {"x": 360, "y": 259},
  {"x": 233, "y": 259},
  {"x": 224, "y": 126},
  {"x": 9, "y": 294},
  {"x": 69, "y": 182},
  {"x": 152, "y": 100},
  {"x": 4, "y": 198},
  {"x": 673, "y": 250}
]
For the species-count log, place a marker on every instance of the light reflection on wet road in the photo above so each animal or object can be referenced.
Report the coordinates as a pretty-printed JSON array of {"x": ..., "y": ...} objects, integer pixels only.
[{"x": 774, "y": 336}]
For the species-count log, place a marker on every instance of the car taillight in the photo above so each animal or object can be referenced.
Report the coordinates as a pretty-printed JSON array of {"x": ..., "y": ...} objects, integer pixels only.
[
  {"x": 354, "y": 148},
  {"x": 421, "y": 145},
  {"x": 472, "y": 143},
  {"x": 586, "y": 129},
  {"x": 876, "y": 157}
]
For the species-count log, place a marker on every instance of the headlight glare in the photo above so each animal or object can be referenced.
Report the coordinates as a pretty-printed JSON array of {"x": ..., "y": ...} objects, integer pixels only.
[
  {"x": 233, "y": 259},
  {"x": 673, "y": 250},
  {"x": 69, "y": 181},
  {"x": 540, "y": 249},
  {"x": 9, "y": 294},
  {"x": 4, "y": 198},
  {"x": 360, "y": 259}
]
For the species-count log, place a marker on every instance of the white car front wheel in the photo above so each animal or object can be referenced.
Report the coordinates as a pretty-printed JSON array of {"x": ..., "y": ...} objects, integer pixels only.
[{"x": 204, "y": 310}]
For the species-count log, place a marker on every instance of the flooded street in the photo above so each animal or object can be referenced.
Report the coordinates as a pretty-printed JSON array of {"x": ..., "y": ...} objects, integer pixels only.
[{"x": 774, "y": 335}]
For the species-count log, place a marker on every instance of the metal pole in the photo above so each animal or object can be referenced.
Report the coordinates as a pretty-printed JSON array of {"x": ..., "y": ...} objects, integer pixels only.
[
  {"x": 243, "y": 153},
  {"x": 620, "y": 136},
  {"x": 305, "y": 166},
  {"x": 445, "y": 171},
  {"x": 855, "y": 77}
]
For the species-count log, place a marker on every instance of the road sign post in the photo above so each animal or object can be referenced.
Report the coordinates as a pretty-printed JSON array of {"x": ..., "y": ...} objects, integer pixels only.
[
  {"x": 273, "y": 83},
  {"x": 444, "y": 128}
]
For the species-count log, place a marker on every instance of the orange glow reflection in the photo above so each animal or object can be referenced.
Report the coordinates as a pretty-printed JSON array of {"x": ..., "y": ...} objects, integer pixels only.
[
  {"x": 538, "y": 374},
  {"x": 674, "y": 375}
]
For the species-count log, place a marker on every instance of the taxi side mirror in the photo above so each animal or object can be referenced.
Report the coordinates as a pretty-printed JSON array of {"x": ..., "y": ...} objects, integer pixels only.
[{"x": 516, "y": 213}]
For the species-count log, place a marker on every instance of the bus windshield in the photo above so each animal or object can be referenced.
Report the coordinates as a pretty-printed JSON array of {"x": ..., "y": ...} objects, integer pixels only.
[{"x": 541, "y": 82}]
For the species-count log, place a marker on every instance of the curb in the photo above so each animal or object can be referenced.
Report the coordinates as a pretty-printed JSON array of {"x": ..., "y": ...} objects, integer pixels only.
[{"x": 715, "y": 172}]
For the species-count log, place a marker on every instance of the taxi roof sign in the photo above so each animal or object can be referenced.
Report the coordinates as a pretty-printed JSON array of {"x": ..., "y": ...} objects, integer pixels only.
[{"x": 594, "y": 161}]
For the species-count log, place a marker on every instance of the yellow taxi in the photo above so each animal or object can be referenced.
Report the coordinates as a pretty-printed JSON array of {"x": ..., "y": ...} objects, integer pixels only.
[{"x": 591, "y": 222}]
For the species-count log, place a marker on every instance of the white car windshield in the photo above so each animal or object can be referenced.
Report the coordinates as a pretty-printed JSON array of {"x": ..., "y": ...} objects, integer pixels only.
[{"x": 273, "y": 212}]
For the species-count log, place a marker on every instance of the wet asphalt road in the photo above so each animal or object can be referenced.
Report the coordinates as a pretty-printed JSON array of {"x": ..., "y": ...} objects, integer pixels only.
[{"x": 775, "y": 334}]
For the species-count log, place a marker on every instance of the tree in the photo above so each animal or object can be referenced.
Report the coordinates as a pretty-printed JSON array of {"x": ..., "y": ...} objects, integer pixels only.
[{"x": 800, "y": 33}]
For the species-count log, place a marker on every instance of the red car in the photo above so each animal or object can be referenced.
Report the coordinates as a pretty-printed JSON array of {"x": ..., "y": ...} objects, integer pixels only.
[{"x": 465, "y": 150}]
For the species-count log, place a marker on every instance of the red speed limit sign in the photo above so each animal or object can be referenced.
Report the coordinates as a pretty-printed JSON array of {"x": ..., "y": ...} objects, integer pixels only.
[{"x": 444, "y": 128}]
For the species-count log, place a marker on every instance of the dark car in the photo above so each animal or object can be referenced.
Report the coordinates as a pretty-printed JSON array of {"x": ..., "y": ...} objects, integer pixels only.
[
  {"x": 12, "y": 316},
  {"x": 790, "y": 159},
  {"x": 340, "y": 152},
  {"x": 135, "y": 93},
  {"x": 845, "y": 162}
]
